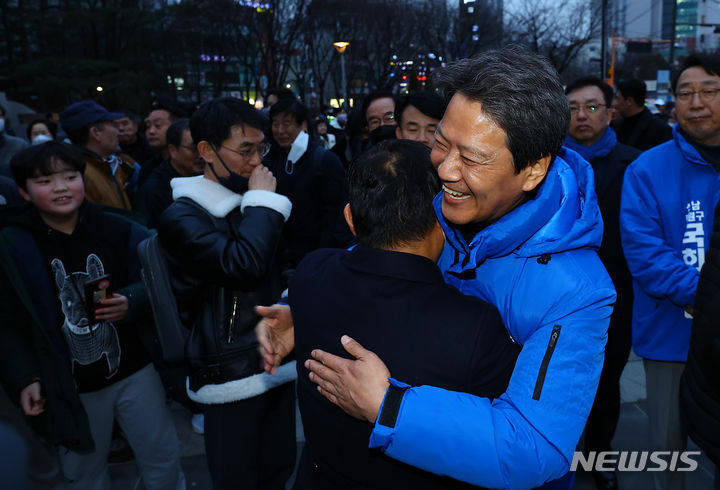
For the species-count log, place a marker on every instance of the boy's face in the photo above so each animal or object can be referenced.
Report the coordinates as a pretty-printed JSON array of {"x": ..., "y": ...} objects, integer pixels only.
[{"x": 57, "y": 196}]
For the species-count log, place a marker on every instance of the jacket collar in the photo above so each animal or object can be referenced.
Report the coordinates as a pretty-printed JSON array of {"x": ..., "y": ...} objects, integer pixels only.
[
  {"x": 687, "y": 149},
  {"x": 216, "y": 199},
  {"x": 599, "y": 149},
  {"x": 563, "y": 215},
  {"x": 387, "y": 263}
]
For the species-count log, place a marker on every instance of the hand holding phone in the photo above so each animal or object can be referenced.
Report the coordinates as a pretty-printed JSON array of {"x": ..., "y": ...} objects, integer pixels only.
[
  {"x": 112, "y": 309},
  {"x": 96, "y": 290}
]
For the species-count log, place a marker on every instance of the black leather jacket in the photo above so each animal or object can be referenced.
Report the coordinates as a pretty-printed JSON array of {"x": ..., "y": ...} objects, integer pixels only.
[{"x": 220, "y": 269}]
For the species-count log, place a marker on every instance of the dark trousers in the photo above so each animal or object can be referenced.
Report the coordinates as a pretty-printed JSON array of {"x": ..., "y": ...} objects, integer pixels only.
[
  {"x": 605, "y": 412},
  {"x": 250, "y": 444}
]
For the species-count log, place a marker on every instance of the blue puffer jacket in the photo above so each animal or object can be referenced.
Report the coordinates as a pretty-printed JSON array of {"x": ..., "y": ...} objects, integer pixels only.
[
  {"x": 538, "y": 265},
  {"x": 669, "y": 194}
]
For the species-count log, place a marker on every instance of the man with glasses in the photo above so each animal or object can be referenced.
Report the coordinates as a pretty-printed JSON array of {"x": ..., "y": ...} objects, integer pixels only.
[
  {"x": 590, "y": 135},
  {"x": 379, "y": 110},
  {"x": 668, "y": 199},
  {"x": 639, "y": 128},
  {"x": 155, "y": 195},
  {"x": 220, "y": 237}
]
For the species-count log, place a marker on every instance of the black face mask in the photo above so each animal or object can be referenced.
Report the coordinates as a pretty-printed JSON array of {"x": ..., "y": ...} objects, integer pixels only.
[
  {"x": 384, "y": 132},
  {"x": 234, "y": 182}
]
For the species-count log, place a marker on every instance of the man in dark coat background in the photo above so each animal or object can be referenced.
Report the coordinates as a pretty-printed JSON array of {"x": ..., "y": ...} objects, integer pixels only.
[
  {"x": 591, "y": 136},
  {"x": 639, "y": 128}
]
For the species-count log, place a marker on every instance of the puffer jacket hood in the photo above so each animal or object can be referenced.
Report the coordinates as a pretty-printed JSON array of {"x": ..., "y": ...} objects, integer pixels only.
[{"x": 562, "y": 216}]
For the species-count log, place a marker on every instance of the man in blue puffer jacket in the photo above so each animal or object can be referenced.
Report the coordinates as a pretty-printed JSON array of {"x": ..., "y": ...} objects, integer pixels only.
[
  {"x": 668, "y": 197},
  {"x": 523, "y": 226}
]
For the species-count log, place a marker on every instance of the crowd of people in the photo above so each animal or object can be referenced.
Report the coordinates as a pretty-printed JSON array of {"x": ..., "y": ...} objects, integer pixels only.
[{"x": 463, "y": 272}]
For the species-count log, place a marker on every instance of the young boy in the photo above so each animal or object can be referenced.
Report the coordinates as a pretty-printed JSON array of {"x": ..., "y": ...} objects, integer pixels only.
[{"x": 71, "y": 374}]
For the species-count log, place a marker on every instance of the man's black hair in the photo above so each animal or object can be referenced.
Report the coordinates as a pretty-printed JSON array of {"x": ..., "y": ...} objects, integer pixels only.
[
  {"x": 392, "y": 186},
  {"x": 175, "y": 131},
  {"x": 167, "y": 104},
  {"x": 426, "y": 101},
  {"x": 708, "y": 62},
  {"x": 281, "y": 93},
  {"x": 521, "y": 92},
  {"x": 372, "y": 97},
  {"x": 130, "y": 115},
  {"x": 39, "y": 160},
  {"x": 583, "y": 82},
  {"x": 213, "y": 119},
  {"x": 81, "y": 136},
  {"x": 634, "y": 88},
  {"x": 52, "y": 127},
  {"x": 292, "y": 107}
]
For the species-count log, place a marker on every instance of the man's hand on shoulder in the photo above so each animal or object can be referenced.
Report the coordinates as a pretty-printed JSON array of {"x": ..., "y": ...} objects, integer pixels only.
[
  {"x": 275, "y": 335},
  {"x": 358, "y": 387}
]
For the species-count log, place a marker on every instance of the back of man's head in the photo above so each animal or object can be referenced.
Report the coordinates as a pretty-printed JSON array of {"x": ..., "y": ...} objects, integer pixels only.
[
  {"x": 583, "y": 82},
  {"x": 214, "y": 119},
  {"x": 429, "y": 103},
  {"x": 521, "y": 92},
  {"x": 634, "y": 89},
  {"x": 708, "y": 62},
  {"x": 392, "y": 186}
]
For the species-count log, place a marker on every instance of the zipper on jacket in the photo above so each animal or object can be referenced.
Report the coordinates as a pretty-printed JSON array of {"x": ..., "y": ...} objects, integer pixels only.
[
  {"x": 546, "y": 361},
  {"x": 233, "y": 320}
]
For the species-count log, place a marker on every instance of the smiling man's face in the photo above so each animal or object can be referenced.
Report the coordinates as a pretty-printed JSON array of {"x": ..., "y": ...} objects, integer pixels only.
[{"x": 480, "y": 184}]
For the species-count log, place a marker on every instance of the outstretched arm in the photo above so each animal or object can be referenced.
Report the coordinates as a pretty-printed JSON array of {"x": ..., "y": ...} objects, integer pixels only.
[{"x": 275, "y": 335}]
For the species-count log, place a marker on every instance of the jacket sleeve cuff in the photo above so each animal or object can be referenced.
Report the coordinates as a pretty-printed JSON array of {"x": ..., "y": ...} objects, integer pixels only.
[
  {"x": 267, "y": 199},
  {"x": 387, "y": 416}
]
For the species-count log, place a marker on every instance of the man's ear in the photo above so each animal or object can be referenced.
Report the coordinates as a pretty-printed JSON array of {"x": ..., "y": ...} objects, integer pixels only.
[
  {"x": 172, "y": 151},
  {"x": 347, "y": 212},
  {"x": 205, "y": 150},
  {"x": 94, "y": 133},
  {"x": 535, "y": 173},
  {"x": 398, "y": 132}
]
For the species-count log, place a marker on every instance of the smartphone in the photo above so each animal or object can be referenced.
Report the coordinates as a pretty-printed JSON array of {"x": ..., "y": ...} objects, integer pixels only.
[{"x": 96, "y": 290}]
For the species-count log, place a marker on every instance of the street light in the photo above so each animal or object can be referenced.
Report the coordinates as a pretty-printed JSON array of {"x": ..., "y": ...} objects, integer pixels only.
[{"x": 341, "y": 46}]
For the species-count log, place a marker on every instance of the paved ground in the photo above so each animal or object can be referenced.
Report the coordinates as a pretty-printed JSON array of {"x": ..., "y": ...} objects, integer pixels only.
[{"x": 631, "y": 435}]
